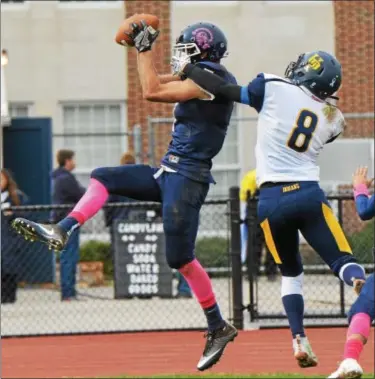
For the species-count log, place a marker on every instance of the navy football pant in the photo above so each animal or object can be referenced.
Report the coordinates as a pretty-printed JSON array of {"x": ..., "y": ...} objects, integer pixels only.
[
  {"x": 181, "y": 199},
  {"x": 286, "y": 209},
  {"x": 365, "y": 302}
]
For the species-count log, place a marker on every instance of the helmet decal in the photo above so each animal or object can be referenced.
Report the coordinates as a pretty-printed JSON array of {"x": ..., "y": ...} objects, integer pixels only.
[
  {"x": 203, "y": 37},
  {"x": 315, "y": 61}
]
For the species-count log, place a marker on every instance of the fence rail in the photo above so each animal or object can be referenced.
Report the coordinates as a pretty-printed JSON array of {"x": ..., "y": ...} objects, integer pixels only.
[{"x": 243, "y": 293}]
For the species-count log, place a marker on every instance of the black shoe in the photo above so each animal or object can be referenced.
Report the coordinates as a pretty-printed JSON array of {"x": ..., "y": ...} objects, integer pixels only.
[
  {"x": 51, "y": 235},
  {"x": 215, "y": 345}
]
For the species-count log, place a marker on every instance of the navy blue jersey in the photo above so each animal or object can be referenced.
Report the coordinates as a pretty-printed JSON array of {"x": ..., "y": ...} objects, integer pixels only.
[{"x": 199, "y": 131}]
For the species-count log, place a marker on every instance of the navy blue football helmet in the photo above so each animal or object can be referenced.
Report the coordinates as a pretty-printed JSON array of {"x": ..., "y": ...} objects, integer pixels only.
[
  {"x": 200, "y": 38},
  {"x": 319, "y": 72}
]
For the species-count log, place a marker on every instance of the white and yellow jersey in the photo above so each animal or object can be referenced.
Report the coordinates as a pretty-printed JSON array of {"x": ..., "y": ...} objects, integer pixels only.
[{"x": 293, "y": 126}]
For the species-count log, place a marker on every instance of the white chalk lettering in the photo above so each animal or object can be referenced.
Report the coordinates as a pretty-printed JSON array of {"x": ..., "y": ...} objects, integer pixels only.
[
  {"x": 144, "y": 258},
  {"x": 139, "y": 228},
  {"x": 144, "y": 248}
]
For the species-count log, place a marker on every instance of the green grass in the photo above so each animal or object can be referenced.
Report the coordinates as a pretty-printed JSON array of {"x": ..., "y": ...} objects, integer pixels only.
[{"x": 271, "y": 376}]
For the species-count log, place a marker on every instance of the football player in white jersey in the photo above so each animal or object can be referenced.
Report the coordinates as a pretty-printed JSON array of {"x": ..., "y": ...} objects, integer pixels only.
[{"x": 296, "y": 119}]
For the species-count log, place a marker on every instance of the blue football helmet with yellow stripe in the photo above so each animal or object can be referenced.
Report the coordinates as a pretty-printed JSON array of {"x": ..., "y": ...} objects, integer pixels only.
[{"x": 318, "y": 71}]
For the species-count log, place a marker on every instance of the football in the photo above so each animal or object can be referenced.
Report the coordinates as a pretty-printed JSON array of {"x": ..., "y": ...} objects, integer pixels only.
[{"x": 122, "y": 38}]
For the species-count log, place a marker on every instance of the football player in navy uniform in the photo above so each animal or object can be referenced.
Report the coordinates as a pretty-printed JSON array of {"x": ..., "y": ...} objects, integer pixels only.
[
  {"x": 296, "y": 118},
  {"x": 182, "y": 181},
  {"x": 362, "y": 312}
]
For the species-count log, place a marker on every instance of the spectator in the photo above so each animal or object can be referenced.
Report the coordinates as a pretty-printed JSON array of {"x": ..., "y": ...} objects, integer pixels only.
[
  {"x": 67, "y": 190},
  {"x": 249, "y": 189},
  {"x": 10, "y": 246}
]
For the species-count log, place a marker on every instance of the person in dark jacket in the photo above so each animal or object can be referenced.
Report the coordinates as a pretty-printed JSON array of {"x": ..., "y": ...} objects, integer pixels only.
[
  {"x": 10, "y": 246},
  {"x": 67, "y": 190}
]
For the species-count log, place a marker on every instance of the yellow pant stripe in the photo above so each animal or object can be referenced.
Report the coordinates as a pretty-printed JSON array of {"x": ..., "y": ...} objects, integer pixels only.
[
  {"x": 269, "y": 241},
  {"x": 336, "y": 230}
]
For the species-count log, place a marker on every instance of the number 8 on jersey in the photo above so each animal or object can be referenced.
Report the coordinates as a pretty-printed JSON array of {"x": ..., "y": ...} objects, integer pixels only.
[{"x": 302, "y": 133}]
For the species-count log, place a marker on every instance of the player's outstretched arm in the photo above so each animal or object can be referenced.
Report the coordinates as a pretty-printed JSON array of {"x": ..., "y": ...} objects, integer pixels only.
[
  {"x": 365, "y": 205},
  {"x": 172, "y": 92},
  {"x": 167, "y": 78},
  {"x": 252, "y": 94},
  {"x": 212, "y": 83}
]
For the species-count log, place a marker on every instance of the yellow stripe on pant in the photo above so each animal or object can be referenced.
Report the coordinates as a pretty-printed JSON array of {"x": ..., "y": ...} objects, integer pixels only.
[
  {"x": 336, "y": 230},
  {"x": 269, "y": 241}
]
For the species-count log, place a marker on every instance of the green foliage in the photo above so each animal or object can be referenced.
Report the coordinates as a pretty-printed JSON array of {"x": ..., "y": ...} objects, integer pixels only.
[
  {"x": 362, "y": 243},
  {"x": 212, "y": 251},
  {"x": 98, "y": 251}
]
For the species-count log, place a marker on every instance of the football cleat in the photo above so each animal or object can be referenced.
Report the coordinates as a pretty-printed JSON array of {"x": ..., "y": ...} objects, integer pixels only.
[
  {"x": 349, "y": 369},
  {"x": 303, "y": 352},
  {"x": 216, "y": 343},
  {"x": 51, "y": 235}
]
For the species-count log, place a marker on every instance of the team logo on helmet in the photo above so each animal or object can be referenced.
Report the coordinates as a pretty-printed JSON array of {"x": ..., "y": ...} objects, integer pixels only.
[
  {"x": 315, "y": 61},
  {"x": 203, "y": 37}
]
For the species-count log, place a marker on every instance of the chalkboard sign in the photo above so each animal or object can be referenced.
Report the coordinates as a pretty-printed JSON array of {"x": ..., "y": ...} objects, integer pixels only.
[{"x": 140, "y": 268}]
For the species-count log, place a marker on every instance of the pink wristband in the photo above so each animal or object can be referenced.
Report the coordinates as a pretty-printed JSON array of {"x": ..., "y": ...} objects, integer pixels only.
[{"x": 361, "y": 189}]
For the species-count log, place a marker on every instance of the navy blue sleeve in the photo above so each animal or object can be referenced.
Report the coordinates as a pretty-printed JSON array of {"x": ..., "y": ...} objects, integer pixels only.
[
  {"x": 365, "y": 207},
  {"x": 253, "y": 93}
]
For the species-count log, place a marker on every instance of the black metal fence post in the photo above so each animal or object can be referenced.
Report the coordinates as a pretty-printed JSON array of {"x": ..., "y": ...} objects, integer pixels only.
[
  {"x": 235, "y": 252},
  {"x": 251, "y": 223}
]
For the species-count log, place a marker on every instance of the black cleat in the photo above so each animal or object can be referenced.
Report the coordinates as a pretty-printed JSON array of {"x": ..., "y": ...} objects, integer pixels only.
[
  {"x": 215, "y": 345},
  {"x": 51, "y": 235}
]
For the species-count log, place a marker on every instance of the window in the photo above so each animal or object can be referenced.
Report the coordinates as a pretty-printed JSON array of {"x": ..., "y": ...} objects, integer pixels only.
[
  {"x": 97, "y": 134},
  {"x": 226, "y": 165},
  {"x": 19, "y": 110}
]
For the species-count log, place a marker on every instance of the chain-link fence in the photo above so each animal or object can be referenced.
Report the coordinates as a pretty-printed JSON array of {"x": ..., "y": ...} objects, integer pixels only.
[
  {"x": 123, "y": 282},
  {"x": 326, "y": 297}
]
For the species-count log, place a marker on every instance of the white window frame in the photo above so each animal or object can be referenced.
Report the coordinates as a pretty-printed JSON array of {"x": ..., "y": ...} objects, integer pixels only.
[
  {"x": 21, "y": 104},
  {"x": 121, "y": 103}
]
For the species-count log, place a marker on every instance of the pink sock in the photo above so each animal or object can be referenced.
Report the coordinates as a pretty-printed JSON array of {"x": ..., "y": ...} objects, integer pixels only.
[
  {"x": 90, "y": 203},
  {"x": 199, "y": 282},
  {"x": 360, "y": 324}
]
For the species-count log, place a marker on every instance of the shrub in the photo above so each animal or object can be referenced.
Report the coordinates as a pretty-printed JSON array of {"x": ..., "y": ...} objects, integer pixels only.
[
  {"x": 92, "y": 251},
  {"x": 362, "y": 243},
  {"x": 212, "y": 251}
]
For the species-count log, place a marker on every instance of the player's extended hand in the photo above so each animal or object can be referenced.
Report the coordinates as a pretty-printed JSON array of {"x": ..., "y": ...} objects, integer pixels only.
[
  {"x": 143, "y": 36},
  {"x": 360, "y": 177}
]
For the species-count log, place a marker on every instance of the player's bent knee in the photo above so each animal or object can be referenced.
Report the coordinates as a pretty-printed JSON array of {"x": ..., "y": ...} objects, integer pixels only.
[
  {"x": 101, "y": 175},
  {"x": 292, "y": 285},
  {"x": 177, "y": 259},
  {"x": 337, "y": 265}
]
